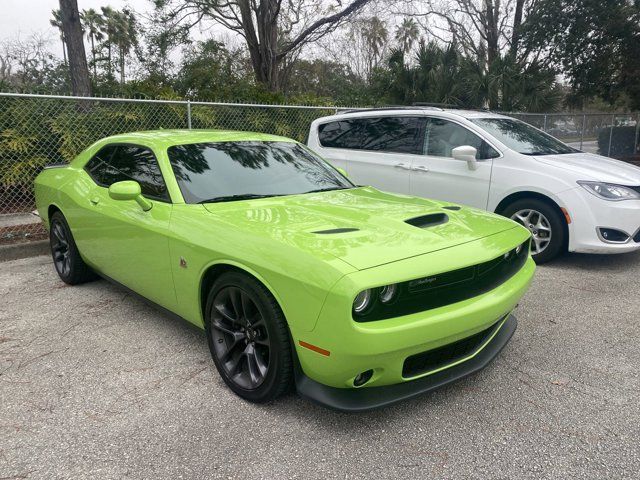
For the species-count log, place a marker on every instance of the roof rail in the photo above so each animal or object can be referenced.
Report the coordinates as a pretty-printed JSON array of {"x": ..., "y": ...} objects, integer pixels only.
[{"x": 378, "y": 109}]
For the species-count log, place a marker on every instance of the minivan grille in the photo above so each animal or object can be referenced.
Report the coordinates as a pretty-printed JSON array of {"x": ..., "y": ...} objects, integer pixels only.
[{"x": 447, "y": 354}]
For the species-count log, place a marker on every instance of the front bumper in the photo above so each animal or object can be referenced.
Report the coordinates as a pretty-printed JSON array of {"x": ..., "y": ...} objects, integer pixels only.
[
  {"x": 363, "y": 399},
  {"x": 588, "y": 213},
  {"x": 344, "y": 348}
]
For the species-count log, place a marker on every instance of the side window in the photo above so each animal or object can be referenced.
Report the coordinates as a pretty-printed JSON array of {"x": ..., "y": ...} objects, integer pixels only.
[
  {"x": 400, "y": 134},
  {"x": 443, "y": 136},
  {"x": 115, "y": 163}
]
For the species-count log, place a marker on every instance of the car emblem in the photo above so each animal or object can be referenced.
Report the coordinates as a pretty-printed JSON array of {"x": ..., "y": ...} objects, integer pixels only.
[{"x": 183, "y": 263}]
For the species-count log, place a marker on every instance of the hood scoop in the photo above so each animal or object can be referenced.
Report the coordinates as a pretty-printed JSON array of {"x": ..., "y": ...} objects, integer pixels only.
[
  {"x": 430, "y": 220},
  {"x": 454, "y": 208},
  {"x": 333, "y": 231}
]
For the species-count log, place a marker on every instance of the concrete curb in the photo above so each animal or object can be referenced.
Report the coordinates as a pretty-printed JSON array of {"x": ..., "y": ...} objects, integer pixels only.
[{"x": 24, "y": 250}]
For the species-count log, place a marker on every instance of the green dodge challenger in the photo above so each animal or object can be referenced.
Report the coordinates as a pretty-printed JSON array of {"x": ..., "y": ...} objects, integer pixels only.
[{"x": 358, "y": 297}]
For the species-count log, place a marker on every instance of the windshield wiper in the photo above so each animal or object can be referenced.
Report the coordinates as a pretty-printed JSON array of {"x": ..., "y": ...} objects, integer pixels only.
[
  {"x": 242, "y": 196},
  {"x": 329, "y": 189}
]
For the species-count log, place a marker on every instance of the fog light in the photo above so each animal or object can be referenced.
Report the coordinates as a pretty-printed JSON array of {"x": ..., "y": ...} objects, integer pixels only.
[
  {"x": 362, "y": 378},
  {"x": 362, "y": 301},
  {"x": 613, "y": 235}
]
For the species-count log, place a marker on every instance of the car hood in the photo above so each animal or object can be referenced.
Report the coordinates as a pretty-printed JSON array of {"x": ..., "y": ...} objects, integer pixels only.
[
  {"x": 362, "y": 226},
  {"x": 588, "y": 166}
]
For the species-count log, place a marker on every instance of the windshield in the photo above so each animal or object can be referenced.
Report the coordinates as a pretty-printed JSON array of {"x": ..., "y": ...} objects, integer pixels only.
[
  {"x": 522, "y": 137},
  {"x": 226, "y": 171}
]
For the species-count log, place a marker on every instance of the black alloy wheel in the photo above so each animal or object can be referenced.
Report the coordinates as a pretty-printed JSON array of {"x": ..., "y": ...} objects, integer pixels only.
[
  {"x": 248, "y": 337},
  {"x": 60, "y": 248},
  {"x": 66, "y": 257},
  {"x": 240, "y": 337}
]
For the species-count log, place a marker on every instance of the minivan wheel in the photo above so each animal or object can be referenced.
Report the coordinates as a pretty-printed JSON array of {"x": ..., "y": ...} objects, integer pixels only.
[{"x": 547, "y": 227}]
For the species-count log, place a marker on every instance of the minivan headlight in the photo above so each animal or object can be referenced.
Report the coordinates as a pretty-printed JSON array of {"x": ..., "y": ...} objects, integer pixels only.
[{"x": 610, "y": 191}]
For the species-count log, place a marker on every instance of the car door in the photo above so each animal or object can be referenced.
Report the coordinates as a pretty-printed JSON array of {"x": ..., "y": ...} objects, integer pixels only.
[
  {"x": 438, "y": 175},
  {"x": 376, "y": 151},
  {"x": 122, "y": 240}
]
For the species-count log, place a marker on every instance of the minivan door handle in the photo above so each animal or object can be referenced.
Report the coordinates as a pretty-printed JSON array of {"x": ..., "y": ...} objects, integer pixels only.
[
  {"x": 403, "y": 166},
  {"x": 420, "y": 168}
]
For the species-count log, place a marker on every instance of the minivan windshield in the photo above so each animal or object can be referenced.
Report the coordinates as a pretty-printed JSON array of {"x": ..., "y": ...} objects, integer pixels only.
[
  {"x": 228, "y": 171},
  {"x": 522, "y": 137}
]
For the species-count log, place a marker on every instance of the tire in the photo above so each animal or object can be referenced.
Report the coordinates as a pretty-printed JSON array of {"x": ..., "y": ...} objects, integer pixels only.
[
  {"x": 248, "y": 338},
  {"x": 64, "y": 251},
  {"x": 540, "y": 217}
]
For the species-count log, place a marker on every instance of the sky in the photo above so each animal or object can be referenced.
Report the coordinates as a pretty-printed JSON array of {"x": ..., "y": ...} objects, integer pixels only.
[{"x": 23, "y": 17}]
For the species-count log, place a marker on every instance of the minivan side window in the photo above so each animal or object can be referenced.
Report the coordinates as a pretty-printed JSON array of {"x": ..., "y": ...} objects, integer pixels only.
[
  {"x": 115, "y": 163},
  {"x": 443, "y": 136},
  {"x": 399, "y": 134}
]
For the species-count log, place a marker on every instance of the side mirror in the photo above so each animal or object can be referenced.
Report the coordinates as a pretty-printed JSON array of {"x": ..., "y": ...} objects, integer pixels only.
[
  {"x": 129, "y": 190},
  {"x": 343, "y": 172},
  {"x": 467, "y": 154}
]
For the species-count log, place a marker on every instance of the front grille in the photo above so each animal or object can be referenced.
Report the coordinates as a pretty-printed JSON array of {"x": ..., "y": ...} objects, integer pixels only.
[
  {"x": 637, "y": 237},
  {"x": 447, "y": 354},
  {"x": 445, "y": 288}
]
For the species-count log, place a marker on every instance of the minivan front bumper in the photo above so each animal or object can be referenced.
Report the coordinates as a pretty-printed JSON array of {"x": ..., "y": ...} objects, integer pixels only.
[{"x": 589, "y": 214}]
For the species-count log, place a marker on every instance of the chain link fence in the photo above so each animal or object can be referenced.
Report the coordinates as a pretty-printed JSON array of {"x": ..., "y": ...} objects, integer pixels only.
[
  {"x": 37, "y": 130},
  {"x": 40, "y": 130}
]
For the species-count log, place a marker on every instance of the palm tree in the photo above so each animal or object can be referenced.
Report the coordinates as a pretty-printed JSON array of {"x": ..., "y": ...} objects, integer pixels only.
[
  {"x": 108, "y": 30},
  {"x": 126, "y": 36},
  {"x": 375, "y": 34},
  {"x": 120, "y": 29},
  {"x": 56, "y": 22},
  {"x": 93, "y": 23},
  {"x": 407, "y": 33}
]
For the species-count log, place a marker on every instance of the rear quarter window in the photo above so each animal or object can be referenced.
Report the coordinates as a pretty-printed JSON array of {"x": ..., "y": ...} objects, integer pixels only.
[{"x": 400, "y": 134}]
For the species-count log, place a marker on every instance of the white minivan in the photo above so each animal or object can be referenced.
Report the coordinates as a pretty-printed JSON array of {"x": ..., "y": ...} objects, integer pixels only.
[{"x": 568, "y": 199}]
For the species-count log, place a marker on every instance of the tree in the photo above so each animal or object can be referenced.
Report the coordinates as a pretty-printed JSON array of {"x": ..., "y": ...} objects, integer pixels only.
[
  {"x": 72, "y": 29},
  {"x": 161, "y": 39},
  {"x": 109, "y": 29},
  {"x": 56, "y": 22},
  {"x": 125, "y": 37},
  {"x": 273, "y": 30},
  {"x": 407, "y": 33},
  {"x": 92, "y": 22},
  {"x": 596, "y": 43},
  {"x": 375, "y": 34}
]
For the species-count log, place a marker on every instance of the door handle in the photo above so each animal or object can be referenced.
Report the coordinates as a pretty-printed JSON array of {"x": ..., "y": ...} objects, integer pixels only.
[
  {"x": 95, "y": 201},
  {"x": 420, "y": 168},
  {"x": 403, "y": 166}
]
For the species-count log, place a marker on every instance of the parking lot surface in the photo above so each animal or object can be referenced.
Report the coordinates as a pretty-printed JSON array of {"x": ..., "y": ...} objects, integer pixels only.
[{"x": 96, "y": 384}]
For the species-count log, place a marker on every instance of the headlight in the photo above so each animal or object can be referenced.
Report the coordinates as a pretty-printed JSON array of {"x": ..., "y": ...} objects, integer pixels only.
[
  {"x": 388, "y": 293},
  {"x": 610, "y": 191},
  {"x": 362, "y": 301}
]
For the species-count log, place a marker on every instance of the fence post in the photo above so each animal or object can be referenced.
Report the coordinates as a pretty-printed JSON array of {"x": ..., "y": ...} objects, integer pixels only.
[
  {"x": 635, "y": 143},
  {"x": 613, "y": 120},
  {"x": 584, "y": 125},
  {"x": 544, "y": 128},
  {"x": 189, "y": 114}
]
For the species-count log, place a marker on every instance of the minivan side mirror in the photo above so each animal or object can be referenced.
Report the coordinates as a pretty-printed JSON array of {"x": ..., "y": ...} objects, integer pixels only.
[
  {"x": 129, "y": 190},
  {"x": 467, "y": 154}
]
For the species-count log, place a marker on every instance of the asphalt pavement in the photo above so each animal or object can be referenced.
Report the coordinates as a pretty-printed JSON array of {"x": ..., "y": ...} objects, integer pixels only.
[{"x": 96, "y": 384}]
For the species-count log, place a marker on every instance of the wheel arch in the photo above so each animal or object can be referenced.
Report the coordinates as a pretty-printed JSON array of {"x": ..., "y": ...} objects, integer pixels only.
[
  {"x": 51, "y": 209},
  {"x": 213, "y": 271},
  {"x": 514, "y": 197}
]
